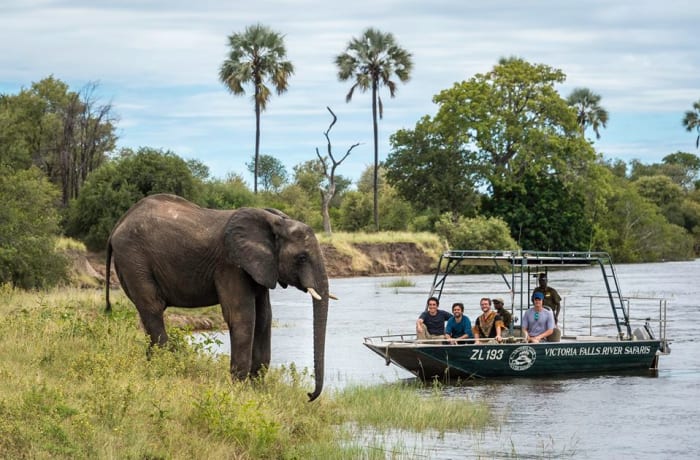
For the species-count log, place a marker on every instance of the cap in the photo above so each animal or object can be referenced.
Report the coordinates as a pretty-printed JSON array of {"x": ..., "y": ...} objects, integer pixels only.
[
  {"x": 538, "y": 295},
  {"x": 498, "y": 299},
  {"x": 543, "y": 276}
]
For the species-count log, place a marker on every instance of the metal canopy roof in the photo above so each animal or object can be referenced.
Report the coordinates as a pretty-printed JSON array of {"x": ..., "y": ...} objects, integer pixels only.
[{"x": 526, "y": 258}]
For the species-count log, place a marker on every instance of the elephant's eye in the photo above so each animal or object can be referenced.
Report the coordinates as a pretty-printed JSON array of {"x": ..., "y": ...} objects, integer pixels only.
[{"x": 301, "y": 258}]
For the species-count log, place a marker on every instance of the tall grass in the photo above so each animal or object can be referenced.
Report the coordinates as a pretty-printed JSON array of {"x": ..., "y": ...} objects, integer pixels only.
[{"x": 77, "y": 384}]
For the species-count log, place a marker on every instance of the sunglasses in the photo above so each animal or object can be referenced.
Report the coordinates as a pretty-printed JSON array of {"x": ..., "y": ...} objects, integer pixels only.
[{"x": 537, "y": 316}]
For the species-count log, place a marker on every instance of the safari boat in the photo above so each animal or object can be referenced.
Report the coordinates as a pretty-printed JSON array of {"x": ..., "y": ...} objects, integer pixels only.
[{"x": 602, "y": 341}]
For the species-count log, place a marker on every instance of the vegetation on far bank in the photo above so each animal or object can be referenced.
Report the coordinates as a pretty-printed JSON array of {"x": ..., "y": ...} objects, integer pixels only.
[
  {"x": 77, "y": 384},
  {"x": 474, "y": 174}
]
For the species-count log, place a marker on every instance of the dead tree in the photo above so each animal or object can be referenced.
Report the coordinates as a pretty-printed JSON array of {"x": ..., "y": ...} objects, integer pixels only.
[{"x": 328, "y": 192}]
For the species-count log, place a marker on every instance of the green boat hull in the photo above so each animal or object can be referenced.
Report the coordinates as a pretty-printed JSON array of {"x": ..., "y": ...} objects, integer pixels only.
[{"x": 519, "y": 359}]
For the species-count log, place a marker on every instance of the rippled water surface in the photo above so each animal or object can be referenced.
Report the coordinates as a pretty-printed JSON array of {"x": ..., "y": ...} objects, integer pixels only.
[{"x": 590, "y": 417}]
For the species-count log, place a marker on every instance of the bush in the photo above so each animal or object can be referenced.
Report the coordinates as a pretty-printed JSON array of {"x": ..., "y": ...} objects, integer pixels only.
[
  {"x": 29, "y": 228},
  {"x": 479, "y": 233}
]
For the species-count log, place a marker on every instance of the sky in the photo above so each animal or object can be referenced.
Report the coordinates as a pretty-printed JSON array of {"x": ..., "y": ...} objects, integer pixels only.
[{"x": 157, "y": 63}]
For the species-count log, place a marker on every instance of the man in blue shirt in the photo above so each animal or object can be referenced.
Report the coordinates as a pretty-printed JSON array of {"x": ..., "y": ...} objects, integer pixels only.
[{"x": 458, "y": 328}]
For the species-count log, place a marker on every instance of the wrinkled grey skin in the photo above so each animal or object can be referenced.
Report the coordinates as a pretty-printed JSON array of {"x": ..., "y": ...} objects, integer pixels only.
[{"x": 170, "y": 252}]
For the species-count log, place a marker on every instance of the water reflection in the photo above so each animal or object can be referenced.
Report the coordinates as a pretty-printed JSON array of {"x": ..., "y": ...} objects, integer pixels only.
[{"x": 609, "y": 416}]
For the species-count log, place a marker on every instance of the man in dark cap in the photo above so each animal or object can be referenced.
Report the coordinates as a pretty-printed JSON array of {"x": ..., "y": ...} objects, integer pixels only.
[
  {"x": 552, "y": 300},
  {"x": 505, "y": 315}
]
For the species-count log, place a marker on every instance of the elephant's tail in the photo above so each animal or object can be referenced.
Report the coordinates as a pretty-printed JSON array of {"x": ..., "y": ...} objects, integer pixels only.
[{"x": 108, "y": 271}]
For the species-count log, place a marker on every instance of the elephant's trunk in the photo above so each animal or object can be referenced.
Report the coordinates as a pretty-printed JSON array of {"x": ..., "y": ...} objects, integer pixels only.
[{"x": 320, "y": 321}]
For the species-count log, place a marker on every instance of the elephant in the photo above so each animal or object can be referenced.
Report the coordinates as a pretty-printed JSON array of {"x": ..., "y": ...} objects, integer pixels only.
[{"x": 170, "y": 252}]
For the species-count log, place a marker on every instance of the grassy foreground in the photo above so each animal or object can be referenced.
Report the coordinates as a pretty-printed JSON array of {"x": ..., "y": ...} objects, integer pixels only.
[{"x": 77, "y": 384}]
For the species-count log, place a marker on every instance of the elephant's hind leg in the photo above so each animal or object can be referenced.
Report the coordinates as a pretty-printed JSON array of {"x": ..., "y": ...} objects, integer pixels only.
[{"x": 155, "y": 326}]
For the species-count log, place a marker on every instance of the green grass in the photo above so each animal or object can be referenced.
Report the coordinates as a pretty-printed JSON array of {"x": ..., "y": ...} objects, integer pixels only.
[
  {"x": 401, "y": 282},
  {"x": 77, "y": 384}
]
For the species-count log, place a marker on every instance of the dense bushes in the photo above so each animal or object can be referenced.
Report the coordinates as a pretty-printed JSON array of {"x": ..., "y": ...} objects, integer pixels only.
[{"x": 29, "y": 227}]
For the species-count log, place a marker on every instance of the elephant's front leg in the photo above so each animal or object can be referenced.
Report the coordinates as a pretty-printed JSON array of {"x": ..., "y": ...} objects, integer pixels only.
[
  {"x": 262, "y": 342},
  {"x": 240, "y": 317}
]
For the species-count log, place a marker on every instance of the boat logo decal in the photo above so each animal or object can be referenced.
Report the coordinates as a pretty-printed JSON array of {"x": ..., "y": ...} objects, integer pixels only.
[{"x": 522, "y": 358}]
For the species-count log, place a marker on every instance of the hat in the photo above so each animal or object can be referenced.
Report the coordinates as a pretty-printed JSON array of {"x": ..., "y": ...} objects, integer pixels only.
[
  {"x": 498, "y": 299},
  {"x": 538, "y": 295}
]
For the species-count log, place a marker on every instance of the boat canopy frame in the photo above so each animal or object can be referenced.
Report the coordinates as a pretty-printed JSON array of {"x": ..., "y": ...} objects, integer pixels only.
[{"x": 518, "y": 264}]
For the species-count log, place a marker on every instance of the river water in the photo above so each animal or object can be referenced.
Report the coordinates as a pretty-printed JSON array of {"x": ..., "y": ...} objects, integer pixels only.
[{"x": 586, "y": 417}]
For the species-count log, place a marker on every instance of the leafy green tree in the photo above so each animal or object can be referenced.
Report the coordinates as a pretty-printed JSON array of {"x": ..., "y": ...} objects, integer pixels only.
[
  {"x": 691, "y": 121},
  {"x": 542, "y": 214},
  {"x": 355, "y": 212},
  {"x": 425, "y": 167},
  {"x": 66, "y": 134},
  {"x": 257, "y": 55},
  {"x": 660, "y": 190},
  {"x": 639, "y": 232},
  {"x": 371, "y": 61},
  {"x": 230, "y": 193},
  {"x": 271, "y": 171},
  {"x": 111, "y": 190},
  {"x": 589, "y": 113},
  {"x": 683, "y": 168},
  {"x": 516, "y": 123},
  {"x": 484, "y": 233},
  {"x": 29, "y": 229}
]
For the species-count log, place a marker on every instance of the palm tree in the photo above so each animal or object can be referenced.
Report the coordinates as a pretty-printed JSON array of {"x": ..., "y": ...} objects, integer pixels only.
[
  {"x": 256, "y": 55},
  {"x": 371, "y": 61},
  {"x": 691, "y": 121},
  {"x": 588, "y": 110}
]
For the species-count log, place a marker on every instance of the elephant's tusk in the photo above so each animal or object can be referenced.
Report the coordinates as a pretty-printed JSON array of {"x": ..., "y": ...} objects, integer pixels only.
[
  {"x": 313, "y": 293},
  {"x": 331, "y": 296}
]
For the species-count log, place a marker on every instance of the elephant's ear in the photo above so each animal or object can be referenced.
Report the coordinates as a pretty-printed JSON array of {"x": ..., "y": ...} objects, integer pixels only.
[{"x": 251, "y": 243}]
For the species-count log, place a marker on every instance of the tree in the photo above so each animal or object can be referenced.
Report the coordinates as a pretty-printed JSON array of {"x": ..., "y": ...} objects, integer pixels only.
[
  {"x": 271, "y": 171},
  {"x": 516, "y": 123},
  {"x": 589, "y": 113},
  {"x": 29, "y": 228},
  {"x": 371, "y": 61},
  {"x": 691, "y": 121},
  {"x": 329, "y": 188},
  {"x": 111, "y": 190},
  {"x": 542, "y": 214},
  {"x": 425, "y": 167},
  {"x": 66, "y": 134},
  {"x": 256, "y": 56}
]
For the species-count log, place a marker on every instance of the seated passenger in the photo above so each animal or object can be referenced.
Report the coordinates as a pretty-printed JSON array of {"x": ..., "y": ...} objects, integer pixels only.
[
  {"x": 488, "y": 324},
  {"x": 505, "y": 315},
  {"x": 538, "y": 322},
  {"x": 458, "y": 328},
  {"x": 431, "y": 323}
]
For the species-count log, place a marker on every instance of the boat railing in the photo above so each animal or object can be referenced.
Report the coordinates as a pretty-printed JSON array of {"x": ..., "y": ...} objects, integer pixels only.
[{"x": 648, "y": 311}]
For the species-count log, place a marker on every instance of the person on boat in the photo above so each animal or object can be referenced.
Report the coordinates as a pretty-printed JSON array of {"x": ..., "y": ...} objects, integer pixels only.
[
  {"x": 505, "y": 315},
  {"x": 552, "y": 300},
  {"x": 538, "y": 322},
  {"x": 431, "y": 323},
  {"x": 458, "y": 328},
  {"x": 488, "y": 325}
]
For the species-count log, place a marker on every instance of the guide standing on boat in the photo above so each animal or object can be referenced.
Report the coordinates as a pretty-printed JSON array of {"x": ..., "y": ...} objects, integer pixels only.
[
  {"x": 552, "y": 299},
  {"x": 538, "y": 322},
  {"x": 431, "y": 323}
]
